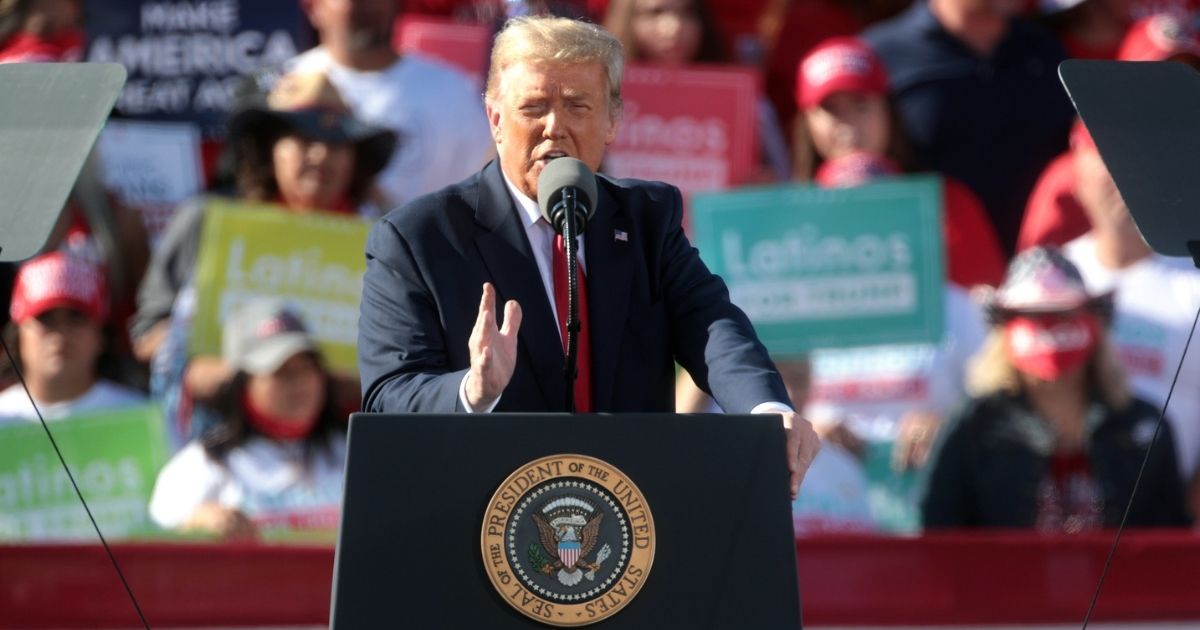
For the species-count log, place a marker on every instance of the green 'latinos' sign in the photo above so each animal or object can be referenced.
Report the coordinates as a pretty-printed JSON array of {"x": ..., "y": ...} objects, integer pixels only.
[
  {"x": 114, "y": 456},
  {"x": 823, "y": 268},
  {"x": 313, "y": 261}
]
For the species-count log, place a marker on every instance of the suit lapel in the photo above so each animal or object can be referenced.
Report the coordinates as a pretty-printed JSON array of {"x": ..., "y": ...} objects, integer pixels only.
[
  {"x": 610, "y": 247},
  {"x": 506, "y": 253}
]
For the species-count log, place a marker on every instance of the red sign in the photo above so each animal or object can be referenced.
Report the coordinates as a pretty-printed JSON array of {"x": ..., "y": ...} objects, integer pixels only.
[
  {"x": 464, "y": 46},
  {"x": 694, "y": 127}
]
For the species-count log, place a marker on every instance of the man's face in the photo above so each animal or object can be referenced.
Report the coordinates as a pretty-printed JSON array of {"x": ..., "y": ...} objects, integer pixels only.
[
  {"x": 547, "y": 110},
  {"x": 361, "y": 24}
]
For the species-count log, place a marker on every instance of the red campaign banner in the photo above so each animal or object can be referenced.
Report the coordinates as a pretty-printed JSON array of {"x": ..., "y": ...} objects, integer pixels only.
[
  {"x": 464, "y": 46},
  {"x": 696, "y": 128}
]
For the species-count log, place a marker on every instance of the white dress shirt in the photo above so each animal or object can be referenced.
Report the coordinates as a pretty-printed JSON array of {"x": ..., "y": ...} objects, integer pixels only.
[{"x": 541, "y": 241}]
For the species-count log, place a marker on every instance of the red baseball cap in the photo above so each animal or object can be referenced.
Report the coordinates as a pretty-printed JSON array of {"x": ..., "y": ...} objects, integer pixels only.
[
  {"x": 854, "y": 169},
  {"x": 59, "y": 280},
  {"x": 1158, "y": 38},
  {"x": 839, "y": 64}
]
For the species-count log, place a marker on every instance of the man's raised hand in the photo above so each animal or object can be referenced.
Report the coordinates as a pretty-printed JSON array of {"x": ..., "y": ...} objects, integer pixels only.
[{"x": 493, "y": 350}]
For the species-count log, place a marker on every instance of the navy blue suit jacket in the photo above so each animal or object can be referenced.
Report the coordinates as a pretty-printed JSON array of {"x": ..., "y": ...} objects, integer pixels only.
[{"x": 651, "y": 302}]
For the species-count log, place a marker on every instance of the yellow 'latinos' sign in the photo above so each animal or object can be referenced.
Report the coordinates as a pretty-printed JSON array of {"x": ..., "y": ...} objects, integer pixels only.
[{"x": 313, "y": 261}]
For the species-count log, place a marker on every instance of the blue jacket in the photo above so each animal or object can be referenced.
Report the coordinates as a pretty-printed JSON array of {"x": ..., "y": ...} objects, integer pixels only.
[{"x": 652, "y": 302}]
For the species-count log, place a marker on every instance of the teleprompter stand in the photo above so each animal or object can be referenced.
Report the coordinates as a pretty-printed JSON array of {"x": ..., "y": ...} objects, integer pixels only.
[
  {"x": 1144, "y": 119},
  {"x": 50, "y": 116},
  {"x": 418, "y": 488}
]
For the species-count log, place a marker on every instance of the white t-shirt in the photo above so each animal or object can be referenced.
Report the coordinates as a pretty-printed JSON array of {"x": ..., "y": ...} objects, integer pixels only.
[
  {"x": 435, "y": 110},
  {"x": 14, "y": 404},
  {"x": 1155, "y": 301},
  {"x": 833, "y": 497},
  {"x": 264, "y": 479},
  {"x": 870, "y": 388}
]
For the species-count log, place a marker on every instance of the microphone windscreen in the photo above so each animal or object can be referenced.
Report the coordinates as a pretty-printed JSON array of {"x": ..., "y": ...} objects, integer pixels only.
[{"x": 561, "y": 173}]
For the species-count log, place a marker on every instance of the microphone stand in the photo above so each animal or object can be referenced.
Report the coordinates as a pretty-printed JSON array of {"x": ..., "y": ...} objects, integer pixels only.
[{"x": 569, "y": 231}]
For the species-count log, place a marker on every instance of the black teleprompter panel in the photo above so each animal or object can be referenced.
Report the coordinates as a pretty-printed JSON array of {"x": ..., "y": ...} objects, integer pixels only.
[{"x": 1144, "y": 117}]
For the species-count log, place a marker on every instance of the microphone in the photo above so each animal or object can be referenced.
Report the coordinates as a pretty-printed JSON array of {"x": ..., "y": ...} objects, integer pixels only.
[
  {"x": 567, "y": 199},
  {"x": 567, "y": 185}
]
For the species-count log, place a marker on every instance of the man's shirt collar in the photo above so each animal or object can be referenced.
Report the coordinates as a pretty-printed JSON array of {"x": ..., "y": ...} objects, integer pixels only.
[{"x": 530, "y": 213}]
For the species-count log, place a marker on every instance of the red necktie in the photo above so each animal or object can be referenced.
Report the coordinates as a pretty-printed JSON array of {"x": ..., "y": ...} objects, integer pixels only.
[{"x": 583, "y": 383}]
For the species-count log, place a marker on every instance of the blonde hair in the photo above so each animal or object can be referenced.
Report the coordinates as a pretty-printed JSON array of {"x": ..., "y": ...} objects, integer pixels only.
[
  {"x": 991, "y": 371},
  {"x": 557, "y": 40}
]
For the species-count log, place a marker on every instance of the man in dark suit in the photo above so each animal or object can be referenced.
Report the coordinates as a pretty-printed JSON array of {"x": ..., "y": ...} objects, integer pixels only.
[{"x": 430, "y": 342}]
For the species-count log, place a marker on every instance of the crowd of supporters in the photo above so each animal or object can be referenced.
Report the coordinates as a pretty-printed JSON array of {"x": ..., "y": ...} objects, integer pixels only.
[{"x": 1062, "y": 329}]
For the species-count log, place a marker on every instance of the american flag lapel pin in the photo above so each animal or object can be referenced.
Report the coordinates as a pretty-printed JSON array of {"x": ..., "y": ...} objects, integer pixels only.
[{"x": 621, "y": 236}]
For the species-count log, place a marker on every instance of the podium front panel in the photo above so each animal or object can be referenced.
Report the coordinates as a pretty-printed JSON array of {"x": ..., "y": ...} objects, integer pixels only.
[{"x": 418, "y": 488}]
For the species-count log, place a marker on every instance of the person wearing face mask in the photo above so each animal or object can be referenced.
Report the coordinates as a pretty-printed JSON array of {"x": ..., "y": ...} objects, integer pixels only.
[
  {"x": 846, "y": 113},
  {"x": 59, "y": 307},
  {"x": 1051, "y": 438},
  {"x": 1156, "y": 298},
  {"x": 276, "y": 458}
]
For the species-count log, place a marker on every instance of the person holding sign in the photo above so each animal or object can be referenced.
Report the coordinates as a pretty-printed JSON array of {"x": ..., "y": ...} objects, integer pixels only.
[
  {"x": 845, "y": 108},
  {"x": 297, "y": 147},
  {"x": 431, "y": 341},
  {"x": 887, "y": 402},
  {"x": 276, "y": 458},
  {"x": 883, "y": 403},
  {"x": 59, "y": 307}
]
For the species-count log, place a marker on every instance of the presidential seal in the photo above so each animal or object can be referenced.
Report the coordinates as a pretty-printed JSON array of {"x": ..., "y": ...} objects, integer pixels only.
[{"x": 568, "y": 540}]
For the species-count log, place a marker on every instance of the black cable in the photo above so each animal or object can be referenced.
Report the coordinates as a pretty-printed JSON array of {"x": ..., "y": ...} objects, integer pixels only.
[
  {"x": 63, "y": 461},
  {"x": 1145, "y": 459}
]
